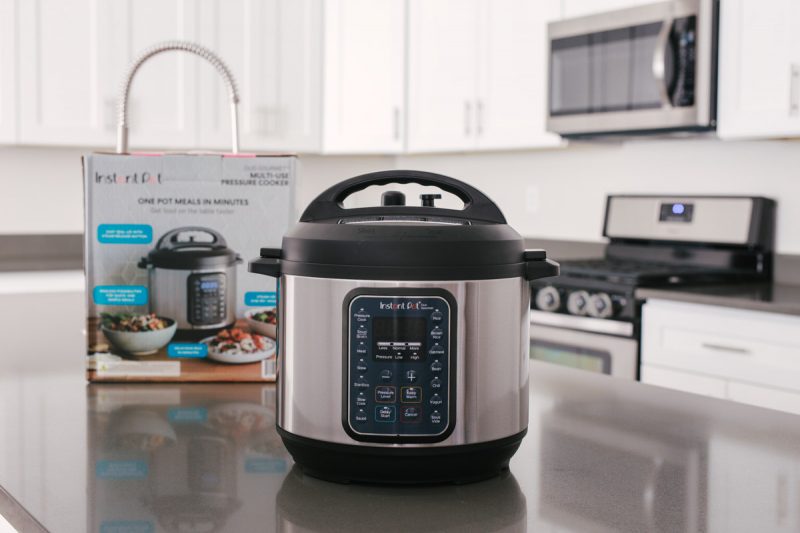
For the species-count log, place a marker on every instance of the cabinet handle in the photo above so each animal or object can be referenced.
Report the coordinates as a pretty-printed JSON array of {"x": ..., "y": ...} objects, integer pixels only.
[
  {"x": 468, "y": 118},
  {"x": 794, "y": 90},
  {"x": 723, "y": 348},
  {"x": 396, "y": 123},
  {"x": 479, "y": 116}
]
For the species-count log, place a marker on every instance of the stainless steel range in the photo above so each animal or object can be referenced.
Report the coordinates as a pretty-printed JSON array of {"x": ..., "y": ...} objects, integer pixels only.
[{"x": 589, "y": 318}]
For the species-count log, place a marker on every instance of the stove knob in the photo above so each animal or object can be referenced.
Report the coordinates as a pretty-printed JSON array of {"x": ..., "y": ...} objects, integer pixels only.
[
  {"x": 600, "y": 305},
  {"x": 548, "y": 299},
  {"x": 578, "y": 302}
]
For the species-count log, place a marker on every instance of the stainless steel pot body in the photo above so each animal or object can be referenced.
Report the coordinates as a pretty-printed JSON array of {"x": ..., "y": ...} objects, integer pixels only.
[
  {"x": 491, "y": 381},
  {"x": 169, "y": 296}
]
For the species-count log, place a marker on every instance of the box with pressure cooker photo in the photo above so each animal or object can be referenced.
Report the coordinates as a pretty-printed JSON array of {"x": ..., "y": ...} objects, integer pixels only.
[{"x": 168, "y": 238}]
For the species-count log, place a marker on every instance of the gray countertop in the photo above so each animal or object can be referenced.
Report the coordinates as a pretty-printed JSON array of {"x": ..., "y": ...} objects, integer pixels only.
[
  {"x": 601, "y": 455},
  {"x": 769, "y": 297}
]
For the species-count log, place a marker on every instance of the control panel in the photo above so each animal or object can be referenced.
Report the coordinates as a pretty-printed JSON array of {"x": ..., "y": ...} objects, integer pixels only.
[
  {"x": 207, "y": 303},
  {"x": 399, "y": 368}
]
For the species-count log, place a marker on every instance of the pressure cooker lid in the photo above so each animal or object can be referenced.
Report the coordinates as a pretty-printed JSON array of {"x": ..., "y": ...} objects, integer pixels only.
[
  {"x": 191, "y": 248},
  {"x": 404, "y": 242}
]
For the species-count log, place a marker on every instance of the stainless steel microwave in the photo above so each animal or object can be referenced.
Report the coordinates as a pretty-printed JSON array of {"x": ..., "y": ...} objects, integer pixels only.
[{"x": 647, "y": 69}]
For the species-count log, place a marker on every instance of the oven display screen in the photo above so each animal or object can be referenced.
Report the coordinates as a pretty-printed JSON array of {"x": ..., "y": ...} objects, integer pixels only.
[
  {"x": 572, "y": 356},
  {"x": 399, "y": 339},
  {"x": 676, "y": 212}
]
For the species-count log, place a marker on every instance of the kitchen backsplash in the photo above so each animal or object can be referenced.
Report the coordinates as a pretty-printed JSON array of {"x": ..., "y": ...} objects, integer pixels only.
[{"x": 555, "y": 194}]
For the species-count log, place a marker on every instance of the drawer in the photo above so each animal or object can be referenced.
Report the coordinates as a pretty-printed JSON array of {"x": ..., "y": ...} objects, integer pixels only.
[
  {"x": 684, "y": 381},
  {"x": 781, "y": 400},
  {"x": 748, "y": 346}
]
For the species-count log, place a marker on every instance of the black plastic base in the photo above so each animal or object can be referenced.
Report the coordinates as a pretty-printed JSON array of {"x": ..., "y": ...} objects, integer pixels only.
[{"x": 344, "y": 463}]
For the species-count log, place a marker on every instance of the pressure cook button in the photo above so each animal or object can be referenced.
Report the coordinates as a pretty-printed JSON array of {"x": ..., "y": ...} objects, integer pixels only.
[
  {"x": 386, "y": 375},
  {"x": 436, "y": 366},
  {"x": 410, "y": 394},
  {"x": 436, "y": 383},
  {"x": 360, "y": 416},
  {"x": 436, "y": 400},
  {"x": 385, "y": 413},
  {"x": 411, "y": 376},
  {"x": 436, "y": 418},
  {"x": 410, "y": 414},
  {"x": 385, "y": 394},
  {"x": 361, "y": 366}
]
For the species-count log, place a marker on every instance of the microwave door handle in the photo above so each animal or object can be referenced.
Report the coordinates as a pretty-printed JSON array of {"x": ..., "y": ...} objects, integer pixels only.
[{"x": 660, "y": 61}]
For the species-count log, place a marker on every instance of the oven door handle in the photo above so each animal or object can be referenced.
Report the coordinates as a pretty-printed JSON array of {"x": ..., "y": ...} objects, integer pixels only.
[{"x": 659, "y": 65}]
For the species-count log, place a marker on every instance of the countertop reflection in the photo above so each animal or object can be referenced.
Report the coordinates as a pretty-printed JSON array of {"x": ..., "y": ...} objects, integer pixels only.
[{"x": 601, "y": 454}]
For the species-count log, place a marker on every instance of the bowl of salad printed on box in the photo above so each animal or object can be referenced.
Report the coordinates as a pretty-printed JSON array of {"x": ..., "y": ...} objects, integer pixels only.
[
  {"x": 263, "y": 321},
  {"x": 237, "y": 346},
  {"x": 137, "y": 334}
]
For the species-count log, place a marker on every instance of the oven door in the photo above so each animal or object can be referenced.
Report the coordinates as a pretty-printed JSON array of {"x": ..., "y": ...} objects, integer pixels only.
[
  {"x": 596, "y": 352},
  {"x": 649, "y": 68}
]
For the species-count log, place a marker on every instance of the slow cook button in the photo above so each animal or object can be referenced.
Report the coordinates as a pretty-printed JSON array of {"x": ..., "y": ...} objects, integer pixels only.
[
  {"x": 436, "y": 400},
  {"x": 385, "y": 394},
  {"x": 411, "y": 394},
  {"x": 361, "y": 399},
  {"x": 436, "y": 418},
  {"x": 360, "y": 416},
  {"x": 410, "y": 414},
  {"x": 385, "y": 413},
  {"x": 436, "y": 383}
]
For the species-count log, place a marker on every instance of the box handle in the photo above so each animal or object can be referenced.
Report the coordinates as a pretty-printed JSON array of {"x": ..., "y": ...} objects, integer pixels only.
[{"x": 185, "y": 46}]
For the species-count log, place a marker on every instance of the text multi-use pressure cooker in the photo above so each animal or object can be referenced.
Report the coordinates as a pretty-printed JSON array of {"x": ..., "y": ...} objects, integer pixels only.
[
  {"x": 403, "y": 335},
  {"x": 192, "y": 277}
]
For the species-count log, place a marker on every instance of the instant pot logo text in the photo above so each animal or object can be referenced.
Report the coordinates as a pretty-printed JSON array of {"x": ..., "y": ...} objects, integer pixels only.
[
  {"x": 136, "y": 178},
  {"x": 397, "y": 306}
]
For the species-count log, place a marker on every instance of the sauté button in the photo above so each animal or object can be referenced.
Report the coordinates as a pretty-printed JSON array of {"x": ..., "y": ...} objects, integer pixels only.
[
  {"x": 385, "y": 413},
  {"x": 411, "y": 394},
  {"x": 411, "y": 375},
  {"x": 436, "y": 383},
  {"x": 436, "y": 366},
  {"x": 361, "y": 366},
  {"x": 385, "y": 394},
  {"x": 409, "y": 414},
  {"x": 436, "y": 400},
  {"x": 360, "y": 416},
  {"x": 436, "y": 418},
  {"x": 386, "y": 375}
]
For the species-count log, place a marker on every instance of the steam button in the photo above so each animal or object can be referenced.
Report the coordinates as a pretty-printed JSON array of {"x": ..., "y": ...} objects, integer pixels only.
[{"x": 436, "y": 366}]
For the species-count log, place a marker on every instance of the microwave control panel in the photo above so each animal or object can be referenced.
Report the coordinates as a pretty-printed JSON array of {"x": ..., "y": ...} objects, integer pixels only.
[
  {"x": 399, "y": 371},
  {"x": 207, "y": 303}
]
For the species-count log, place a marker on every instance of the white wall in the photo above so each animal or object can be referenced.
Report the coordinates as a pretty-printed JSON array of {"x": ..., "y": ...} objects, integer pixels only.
[{"x": 565, "y": 187}]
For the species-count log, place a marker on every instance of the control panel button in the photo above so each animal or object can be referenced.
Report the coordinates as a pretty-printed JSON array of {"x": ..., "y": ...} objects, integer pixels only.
[
  {"x": 361, "y": 399},
  {"x": 411, "y": 376},
  {"x": 410, "y": 414},
  {"x": 437, "y": 333},
  {"x": 361, "y": 383},
  {"x": 385, "y": 394},
  {"x": 386, "y": 375},
  {"x": 436, "y": 350},
  {"x": 361, "y": 366},
  {"x": 436, "y": 383},
  {"x": 436, "y": 417},
  {"x": 436, "y": 400},
  {"x": 410, "y": 394},
  {"x": 360, "y": 416},
  {"x": 361, "y": 349},
  {"x": 437, "y": 316},
  {"x": 385, "y": 413},
  {"x": 577, "y": 303},
  {"x": 436, "y": 366}
]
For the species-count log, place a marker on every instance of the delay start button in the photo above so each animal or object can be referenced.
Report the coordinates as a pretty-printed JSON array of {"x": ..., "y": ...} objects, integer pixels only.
[{"x": 385, "y": 413}]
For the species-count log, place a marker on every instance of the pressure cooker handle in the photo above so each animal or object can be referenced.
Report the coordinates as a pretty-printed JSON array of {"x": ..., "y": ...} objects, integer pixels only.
[
  {"x": 169, "y": 241},
  {"x": 329, "y": 204}
]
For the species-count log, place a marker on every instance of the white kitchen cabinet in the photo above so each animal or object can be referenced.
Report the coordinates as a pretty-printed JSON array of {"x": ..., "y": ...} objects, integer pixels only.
[
  {"x": 759, "y": 69},
  {"x": 72, "y": 56},
  {"x": 8, "y": 71},
  {"x": 746, "y": 356},
  {"x": 477, "y": 74},
  {"x": 579, "y": 8}
]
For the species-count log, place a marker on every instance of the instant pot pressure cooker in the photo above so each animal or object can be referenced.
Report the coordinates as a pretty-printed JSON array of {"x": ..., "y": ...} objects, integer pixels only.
[
  {"x": 192, "y": 276},
  {"x": 403, "y": 335}
]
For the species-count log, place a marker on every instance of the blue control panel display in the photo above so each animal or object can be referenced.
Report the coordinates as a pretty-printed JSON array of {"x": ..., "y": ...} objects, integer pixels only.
[{"x": 399, "y": 351}]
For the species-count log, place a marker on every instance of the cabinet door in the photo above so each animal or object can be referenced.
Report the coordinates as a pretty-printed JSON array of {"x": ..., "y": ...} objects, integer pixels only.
[
  {"x": 759, "y": 69},
  {"x": 442, "y": 74},
  {"x": 8, "y": 72},
  {"x": 364, "y": 63},
  {"x": 512, "y": 103}
]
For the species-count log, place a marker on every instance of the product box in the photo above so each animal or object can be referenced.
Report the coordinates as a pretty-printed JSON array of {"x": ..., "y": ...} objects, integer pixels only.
[{"x": 168, "y": 238}]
